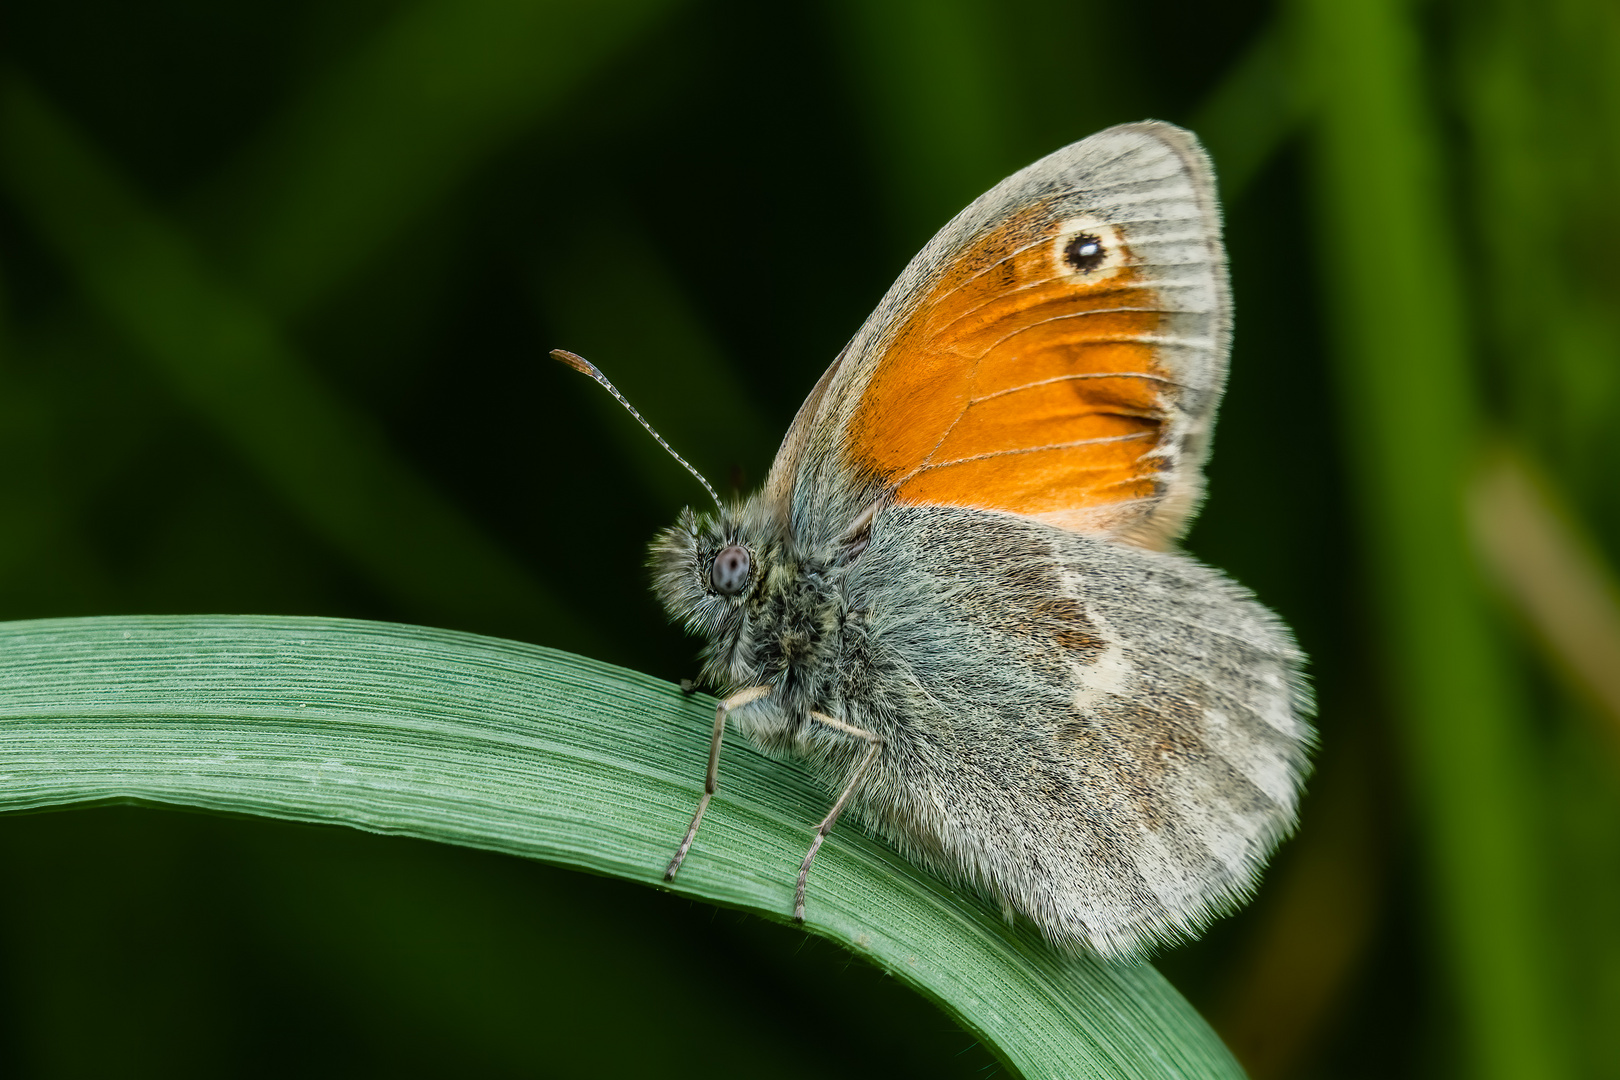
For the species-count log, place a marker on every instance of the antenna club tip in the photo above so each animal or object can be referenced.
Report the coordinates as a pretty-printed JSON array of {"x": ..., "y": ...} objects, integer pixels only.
[
  {"x": 585, "y": 367},
  {"x": 574, "y": 360}
]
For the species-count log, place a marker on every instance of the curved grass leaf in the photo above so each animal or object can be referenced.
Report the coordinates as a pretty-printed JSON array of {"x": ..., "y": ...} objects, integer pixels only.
[{"x": 511, "y": 747}]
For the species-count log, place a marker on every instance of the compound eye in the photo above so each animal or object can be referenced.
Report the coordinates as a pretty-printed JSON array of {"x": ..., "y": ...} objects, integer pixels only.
[{"x": 729, "y": 573}]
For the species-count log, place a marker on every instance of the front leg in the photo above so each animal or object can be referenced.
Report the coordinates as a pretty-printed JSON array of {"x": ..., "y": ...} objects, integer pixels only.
[
  {"x": 874, "y": 744},
  {"x": 737, "y": 700}
]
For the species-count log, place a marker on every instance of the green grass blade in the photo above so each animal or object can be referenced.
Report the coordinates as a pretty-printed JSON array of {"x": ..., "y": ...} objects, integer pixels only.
[
  {"x": 1411, "y": 420},
  {"x": 511, "y": 747}
]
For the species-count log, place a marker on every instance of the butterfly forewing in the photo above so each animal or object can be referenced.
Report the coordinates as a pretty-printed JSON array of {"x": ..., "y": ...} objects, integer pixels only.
[{"x": 1056, "y": 351}]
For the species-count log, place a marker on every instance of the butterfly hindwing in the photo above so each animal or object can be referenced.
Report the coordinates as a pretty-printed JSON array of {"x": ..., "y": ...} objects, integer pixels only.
[{"x": 1108, "y": 738}]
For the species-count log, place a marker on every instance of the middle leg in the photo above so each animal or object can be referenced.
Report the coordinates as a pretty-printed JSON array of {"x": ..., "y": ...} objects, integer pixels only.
[{"x": 874, "y": 744}]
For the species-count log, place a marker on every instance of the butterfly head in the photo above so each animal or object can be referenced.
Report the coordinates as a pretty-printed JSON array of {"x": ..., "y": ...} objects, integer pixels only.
[
  {"x": 703, "y": 567},
  {"x": 709, "y": 568}
]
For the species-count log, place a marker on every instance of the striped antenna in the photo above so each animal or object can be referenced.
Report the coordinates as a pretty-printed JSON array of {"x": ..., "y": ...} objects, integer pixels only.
[{"x": 585, "y": 367}]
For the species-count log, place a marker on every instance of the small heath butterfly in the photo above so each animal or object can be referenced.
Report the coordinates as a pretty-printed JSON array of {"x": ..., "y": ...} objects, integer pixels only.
[{"x": 958, "y": 598}]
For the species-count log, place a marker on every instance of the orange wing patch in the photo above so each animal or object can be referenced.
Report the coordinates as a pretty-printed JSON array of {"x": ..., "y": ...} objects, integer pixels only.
[{"x": 1025, "y": 380}]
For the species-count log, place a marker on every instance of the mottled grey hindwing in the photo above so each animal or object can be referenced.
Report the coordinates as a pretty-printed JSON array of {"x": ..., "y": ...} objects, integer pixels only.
[{"x": 1110, "y": 740}]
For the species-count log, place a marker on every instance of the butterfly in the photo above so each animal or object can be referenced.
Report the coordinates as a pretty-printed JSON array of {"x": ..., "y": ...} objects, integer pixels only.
[{"x": 957, "y": 597}]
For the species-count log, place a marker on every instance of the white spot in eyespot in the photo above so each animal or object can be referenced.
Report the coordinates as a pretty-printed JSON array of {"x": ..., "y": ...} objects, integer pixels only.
[{"x": 1086, "y": 249}]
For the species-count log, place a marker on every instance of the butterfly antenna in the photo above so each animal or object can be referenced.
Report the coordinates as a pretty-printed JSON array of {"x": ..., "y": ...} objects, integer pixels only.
[{"x": 585, "y": 367}]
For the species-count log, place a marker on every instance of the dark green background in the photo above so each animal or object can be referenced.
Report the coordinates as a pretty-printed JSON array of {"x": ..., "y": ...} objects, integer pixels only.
[{"x": 276, "y": 286}]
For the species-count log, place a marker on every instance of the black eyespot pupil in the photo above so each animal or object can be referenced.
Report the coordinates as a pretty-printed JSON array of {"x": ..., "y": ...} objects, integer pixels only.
[
  {"x": 729, "y": 572},
  {"x": 1085, "y": 252}
]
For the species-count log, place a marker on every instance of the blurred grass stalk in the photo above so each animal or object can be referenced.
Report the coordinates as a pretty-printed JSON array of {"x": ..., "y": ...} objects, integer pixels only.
[
  {"x": 1540, "y": 83},
  {"x": 1553, "y": 574},
  {"x": 1539, "y": 89},
  {"x": 1412, "y": 424}
]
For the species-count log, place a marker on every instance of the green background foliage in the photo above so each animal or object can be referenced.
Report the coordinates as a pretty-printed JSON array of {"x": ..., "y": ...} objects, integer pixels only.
[{"x": 276, "y": 285}]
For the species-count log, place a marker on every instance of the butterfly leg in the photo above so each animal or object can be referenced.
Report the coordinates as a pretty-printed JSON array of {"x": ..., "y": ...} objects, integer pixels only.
[
  {"x": 874, "y": 744},
  {"x": 737, "y": 700}
]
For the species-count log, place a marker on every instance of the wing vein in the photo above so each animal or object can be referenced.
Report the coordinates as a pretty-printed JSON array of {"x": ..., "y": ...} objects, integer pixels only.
[
  {"x": 926, "y": 466},
  {"x": 1073, "y": 377}
]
